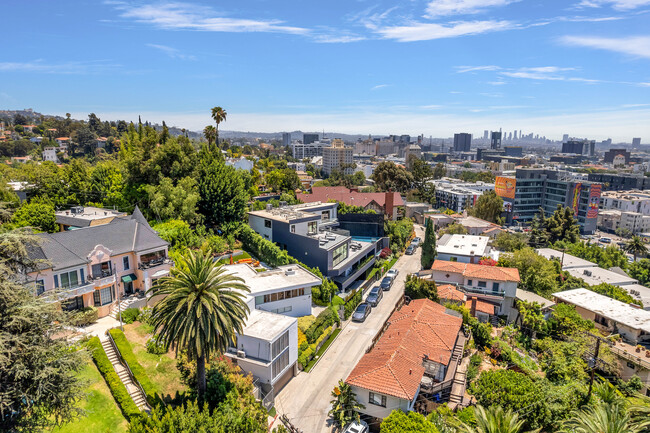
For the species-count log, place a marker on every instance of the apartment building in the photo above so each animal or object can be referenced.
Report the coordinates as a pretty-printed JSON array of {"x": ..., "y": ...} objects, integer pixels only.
[
  {"x": 97, "y": 265},
  {"x": 309, "y": 150},
  {"x": 337, "y": 157},
  {"x": 612, "y": 220},
  {"x": 458, "y": 196},
  {"x": 626, "y": 201}
]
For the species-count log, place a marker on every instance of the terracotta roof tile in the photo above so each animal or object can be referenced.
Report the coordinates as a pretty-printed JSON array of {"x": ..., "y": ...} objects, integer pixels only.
[
  {"x": 450, "y": 292},
  {"x": 481, "y": 306},
  {"x": 352, "y": 198},
  {"x": 394, "y": 365},
  {"x": 472, "y": 270}
]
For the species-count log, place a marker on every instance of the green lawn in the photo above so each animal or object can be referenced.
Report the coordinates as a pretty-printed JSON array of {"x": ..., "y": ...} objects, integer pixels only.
[
  {"x": 226, "y": 260},
  {"x": 101, "y": 413},
  {"x": 161, "y": 369}
]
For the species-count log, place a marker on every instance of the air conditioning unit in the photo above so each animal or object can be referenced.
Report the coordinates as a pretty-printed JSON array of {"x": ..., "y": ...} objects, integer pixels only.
[
  {"x": 587, "y": 273},
  {"x": 241, "y": 354}
]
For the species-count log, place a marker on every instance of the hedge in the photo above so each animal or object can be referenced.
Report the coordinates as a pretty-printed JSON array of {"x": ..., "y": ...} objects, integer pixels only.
[
  {"x": 351, "y": 303},
  {"x": 310, "y": 351},
  {"x": 121, "y": 395},
  {"x": 85, "y": 316},
  {"x": 138, "y": 371},
  {"x": 326, "y": 318},
  {"x": 130, "y": 315}
]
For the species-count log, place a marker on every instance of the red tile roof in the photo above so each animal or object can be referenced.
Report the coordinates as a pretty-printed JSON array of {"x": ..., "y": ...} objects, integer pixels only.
[
  {"x": 450, "y": 292},
  {"x": 394, "y": 365},
  {"x": 481, "y": 306},
  {"x": 352, "y": 198},
  {"x": 472, "y": 270}
]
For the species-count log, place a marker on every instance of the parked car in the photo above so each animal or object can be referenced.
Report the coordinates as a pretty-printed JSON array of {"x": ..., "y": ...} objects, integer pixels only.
[
  {"x": 375, "y": 296},
  {"x": 362, "y": 311},
  {"x": 386, "y": 283},
  {"x": 605, "y": 240},
  {"x": 410, "y": 250},
  {"x": 417, "y": 241},
  {"x": 621, "y": 244},
  {"x": 392, "y": 273},
  {"x": 357, "y": 427}
]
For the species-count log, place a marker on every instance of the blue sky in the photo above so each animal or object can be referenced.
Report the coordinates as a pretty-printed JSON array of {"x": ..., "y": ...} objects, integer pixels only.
[{"x": 437, "y": 67}]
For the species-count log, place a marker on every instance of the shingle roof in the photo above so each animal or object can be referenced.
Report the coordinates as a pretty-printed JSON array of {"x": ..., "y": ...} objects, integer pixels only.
[
  {"x": 352, "y": 198},
  {"x": 394, "y": 365},
  {"x": 472, "y": 270}
]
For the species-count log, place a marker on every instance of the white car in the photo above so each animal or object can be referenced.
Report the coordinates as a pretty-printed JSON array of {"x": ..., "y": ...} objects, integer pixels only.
[
  {"x": 357, "y": 427},
  {"x": 392, "y": 273}
]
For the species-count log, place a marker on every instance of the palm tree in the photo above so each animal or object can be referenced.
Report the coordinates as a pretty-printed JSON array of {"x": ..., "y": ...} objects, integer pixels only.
[
  {"x": 495, "y": 420},
  {"x": 219, "y": 115},
  {"x": 210, "y": 133},
  {"x": 602, "y": 418},
  {"x": 202, "y": 309},
  {"x": 345, "y": 408},
  {"x": 636, "y": 247}
]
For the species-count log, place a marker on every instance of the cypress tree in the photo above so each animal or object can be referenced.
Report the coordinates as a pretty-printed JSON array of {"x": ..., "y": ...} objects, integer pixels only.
[{"x": 428, "y": 246}]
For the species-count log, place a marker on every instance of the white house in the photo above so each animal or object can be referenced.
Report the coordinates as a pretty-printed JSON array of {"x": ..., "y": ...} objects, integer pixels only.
[
  {"x": 462, "y": 248},
  {"x": 241, "y": 164},
  {"x": 49, "y": 154}
]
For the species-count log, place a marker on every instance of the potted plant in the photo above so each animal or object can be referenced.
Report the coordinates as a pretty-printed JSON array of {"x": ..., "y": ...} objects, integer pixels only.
[{"x": 638, "y": 348}]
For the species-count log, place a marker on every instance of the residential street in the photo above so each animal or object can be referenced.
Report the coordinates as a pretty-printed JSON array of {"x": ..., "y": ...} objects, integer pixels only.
[{"x": 306, "y": 399}]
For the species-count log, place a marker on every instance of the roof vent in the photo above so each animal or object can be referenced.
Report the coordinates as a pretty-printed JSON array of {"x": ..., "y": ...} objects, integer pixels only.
[
  {"x": 269, "y": 206},
  {"x": 290, "y": 271}
]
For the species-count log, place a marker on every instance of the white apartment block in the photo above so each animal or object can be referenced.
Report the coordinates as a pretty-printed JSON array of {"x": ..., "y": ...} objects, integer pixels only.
[
  {"x": 612, "y": 220},
  {"x": 302, "y": 151},
  {"x": 458, "y": 196},
  {"x": 49, "y": 154},
  {"x": 626, "y": 201},
  {"x": 337, "y": 155}
]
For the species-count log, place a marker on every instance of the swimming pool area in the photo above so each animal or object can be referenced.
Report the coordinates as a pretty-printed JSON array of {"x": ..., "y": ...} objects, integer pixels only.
[{"x": 364, "y": 239}]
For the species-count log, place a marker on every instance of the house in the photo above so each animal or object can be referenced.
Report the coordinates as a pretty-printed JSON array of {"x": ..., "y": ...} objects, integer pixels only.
[
  {"x": 267, "y": 347},
  {"x": 462, "y": 248},
  {"x": 381, "y": 202},
  {"x": 241, "y": 163},
  {"x": 493, "y": 285},
  {"x": 62, "y": 141},
  {"x": 49, "y": 154},
  {"x": 79, "y": 216},
  {"x": 98, "y": 265},
  {"x": 526, "y": 296},
  {"x": 615, "y": 317},
  {"x": 416, "y": 354},
  {"x": 307, "y": 233}
]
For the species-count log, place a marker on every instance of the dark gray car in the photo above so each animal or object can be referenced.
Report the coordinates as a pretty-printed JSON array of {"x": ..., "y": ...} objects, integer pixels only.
[
  {"x": 361, "y": 312},
  {"x": 375, "y": 296},
  {"x": 386, "y": 283}
]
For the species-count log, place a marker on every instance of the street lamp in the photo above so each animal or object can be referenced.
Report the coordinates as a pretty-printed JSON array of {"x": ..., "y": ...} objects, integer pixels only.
[{"x": 119, "y": 298}]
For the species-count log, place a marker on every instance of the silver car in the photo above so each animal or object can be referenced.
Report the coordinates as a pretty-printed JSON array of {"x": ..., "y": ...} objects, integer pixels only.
[{"x": 362, "y": 311}]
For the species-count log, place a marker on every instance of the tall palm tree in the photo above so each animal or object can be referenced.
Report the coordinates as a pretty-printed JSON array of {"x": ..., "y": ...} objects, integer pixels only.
[
  {"x": 495, "y": 420},
  {"x": 219, "y": 115},
  {"x": 345, "y": 407},
  {"x": 210, "y": 134},
  {"x": 202, "y": 309},
  {"x": 636, "y": 247},
  {"x": 602, "y": 418}
]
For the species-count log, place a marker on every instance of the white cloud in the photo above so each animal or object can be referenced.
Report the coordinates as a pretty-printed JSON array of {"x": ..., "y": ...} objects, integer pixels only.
[
  {"x": 463, "y": 69},
  {"x": 186, "y": 16},
  {"x": 622, "y": 5},
  {"x": 419, "y": 31},
  {"x": 337, "y": 39},
  {"x": 379, "y": 86},
  {"x": 172, "y": 52},
  {"x": 437, "y": 8},
  {"x": 638, "y": 46},
  {"x": 430, "y": 107},
  {"x": 65, "y": 68}
]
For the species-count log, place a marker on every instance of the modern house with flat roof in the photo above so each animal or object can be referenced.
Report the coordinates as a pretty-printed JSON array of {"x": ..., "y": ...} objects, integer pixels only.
[
  {"x": 462, "y": 248},
  {"x": 97, "y": 265},
  {"x": 414, "y": 359},
  {"x": 268, "y": 346},
  {"x": 307, "y": 233},
  {"x": 79, "y": 216}
]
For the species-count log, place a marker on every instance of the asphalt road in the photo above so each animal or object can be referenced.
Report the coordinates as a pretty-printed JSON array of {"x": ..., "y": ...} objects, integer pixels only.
[{"x": 306, "y": 398}]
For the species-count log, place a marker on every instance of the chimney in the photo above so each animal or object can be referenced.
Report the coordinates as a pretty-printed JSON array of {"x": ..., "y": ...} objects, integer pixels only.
[
  {"x": 388, "y": 206},
  {"x": 472, "y": 309}
]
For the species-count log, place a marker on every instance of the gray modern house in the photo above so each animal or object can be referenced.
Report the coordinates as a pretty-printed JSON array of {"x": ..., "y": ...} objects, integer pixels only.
[{"x": 309, "y": 233}]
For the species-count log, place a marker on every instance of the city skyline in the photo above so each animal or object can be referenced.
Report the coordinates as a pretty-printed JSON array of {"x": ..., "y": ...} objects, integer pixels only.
[{"x": 432, "y": 68}]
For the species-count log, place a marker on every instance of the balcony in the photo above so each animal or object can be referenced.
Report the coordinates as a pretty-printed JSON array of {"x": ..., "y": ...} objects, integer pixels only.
[
  {"x": 155, "y": 262},
  {"x": 482, "y": 291},
  {"x": 61, "y": 294},
  {"x": 102, "y": 278}
]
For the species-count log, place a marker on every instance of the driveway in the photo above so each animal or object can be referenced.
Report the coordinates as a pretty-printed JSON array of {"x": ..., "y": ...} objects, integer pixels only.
[{"x": 306, "y": 398}]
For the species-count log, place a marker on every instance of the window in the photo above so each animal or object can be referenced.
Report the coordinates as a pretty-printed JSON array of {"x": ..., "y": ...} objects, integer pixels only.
[
  {"x": 312, "y": 228},
  {"x": 272, "y": 297},
  {"x": 600, "y": 320},
  {"x": 76, "y": 303},
  {"x": 482, "y": 284},
  {"x": 340, "y": 254},
  {"x": 102, "y": 270},
  {"x": 631, "y": 365},
  {"x": 495, "y": 287},
  {"x": 453, "y": 259},
  {"x": 325, "y": 215},
  {"x": 40, "y": 287},
  {"x": 267, "y": 224},
  {"x": 279, "y": 345},
  {"x": 69, "y": 279},
  {"x": 292, "y": 228},
  {"x": 377, "y": 399},
  {"x": 103, "y": 296},
  {"x": 280, "y": 363},
  {"x": 125, "y": 262},
  {"x": 469, "y": 282}
]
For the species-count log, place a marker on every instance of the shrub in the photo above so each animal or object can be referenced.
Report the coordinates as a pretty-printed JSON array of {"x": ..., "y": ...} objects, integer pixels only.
[
  {"x": 84, "y": 317},
  {"x": 326, "y": 318},
  {"x": 301, "y": 337},
  {"x": 121, "y": 395},
  {"x": 145, "y": 315},
  {"x": 138, "y": 371},
  {"x": 351, "y": 303},
  {"x": 130, "y": 315},
  {"x": 154, "y": 347},
  {"x": 337, "y": 300}
]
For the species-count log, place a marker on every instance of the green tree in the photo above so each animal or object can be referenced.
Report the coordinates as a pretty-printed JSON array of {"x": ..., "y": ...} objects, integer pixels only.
[
  {"x": 562, "y": 225},
  {"x": 602, "y": 418},
  {"x": 284, "y": 179},
  {"x": 390, "y": 177},
  {"x": 169, "y": 201},
  {"x": 636, "y": 247},
  {"x": 439, "y": 171},
  {"x": 164, "y": 133},
  {"x": 565, "y": 321},
  {"x": 454, "y": 229},
  {"x": 398, "y": 232},
  {"x": 419, "y": 288},
  {"x": 202, "y": 308},
  {"x": 411, "y": 422},
  {"x": 495, "y": 420},
  {"x": 536, "y": 273},
  {"x": 640, "y": 270},
  {"x": 218, "y": 115},
  {"x": 39, "y": 380},
  {"x": 531, "y": 316},
  {"x": 489, "y": 207},
  {"x": 178, "y": 233},
  {"x": 184, "y": 418},
  {"x": 345, "y": 408},
  {"x": 539, "y": 237},
  {"x": 36, "y": 213},
  {"x": 210, "y": 134},
  {"x": 509, "y": 242},
  {"x": 428, "y": 246},
  {"x": 422, "y": 175}
]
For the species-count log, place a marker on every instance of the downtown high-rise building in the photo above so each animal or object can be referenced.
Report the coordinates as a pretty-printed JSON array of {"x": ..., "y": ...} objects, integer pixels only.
[
  {"x": 636, "y": 141},
  {"x": 495, "y": 140},
  {"x": 286, "y": 138},
  {"x": 462, "y": 142},
  {"x": 309, "y": 138}
]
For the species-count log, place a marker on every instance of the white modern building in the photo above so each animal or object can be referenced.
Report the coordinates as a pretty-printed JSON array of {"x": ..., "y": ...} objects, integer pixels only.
[
  {"x": 458, "y": 196},
  {"x": 626, "y": 201},
  {"x": 49, "y": 154},
  {"x": 462, "y": 248},
  {"x": 241, "y": 163}
]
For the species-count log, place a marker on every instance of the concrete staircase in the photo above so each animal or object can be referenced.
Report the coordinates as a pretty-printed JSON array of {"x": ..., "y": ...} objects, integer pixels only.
[
  {"x": 134, "y": 390},
  {"x": 126, "y": 303}
]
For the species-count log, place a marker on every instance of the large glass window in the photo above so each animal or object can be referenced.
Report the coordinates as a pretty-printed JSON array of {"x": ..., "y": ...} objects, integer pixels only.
[
  {"x": 267, "y": 224},
  {"x": 40, "y": 287},
  {"x": 280, "y": 344},
  {"x": 312, "y": 228},
  {"x": 103, "y": 296},
  {"x": 280, "y": 363},
  {"x": 272, "y": 297},
  {"x": 340, "y": 254},
  {"x": 76, "y": 303},
  {"x": 102, "y": 270},
  {"x": 325, "y": 215},
  {"x": 69, "y": 279}
]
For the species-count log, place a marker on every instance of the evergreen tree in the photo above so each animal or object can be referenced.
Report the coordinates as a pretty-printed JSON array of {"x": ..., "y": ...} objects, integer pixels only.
[
  {"x": 562, "y": 225},
  {"x": 164, "y": 135},
  {"x": 489, "y": 207},
  {"x": 538, "y": 233},
  {"x": 428, "y": 246}
]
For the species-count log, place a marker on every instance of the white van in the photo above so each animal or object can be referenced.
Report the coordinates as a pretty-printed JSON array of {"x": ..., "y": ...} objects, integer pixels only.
[{"x": 357, "y": 427}]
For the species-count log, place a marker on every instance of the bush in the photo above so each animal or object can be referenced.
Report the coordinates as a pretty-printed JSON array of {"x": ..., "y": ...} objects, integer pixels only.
[
  {"x": 351, "y": 303},
  {"x": 472, "y": 370},
  {"x": 145, "y": 315},
  {"x": 121, "y": 395},
  {"x": 326, "y": 318},
  {"x": 482, "y": 333},
  {"x": 84, "y": 317},
  {"x": 337, "y": 300},
  {"x": 130, "y": 315},
  {"x": 138, "y": 371},
  {"x": 154, "y": 347}
]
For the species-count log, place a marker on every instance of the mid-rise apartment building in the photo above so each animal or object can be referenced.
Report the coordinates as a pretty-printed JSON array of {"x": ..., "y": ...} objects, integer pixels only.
[
  {"x": 458, "y": 196},
  {"x": 337, "y": 157},
  {"x": 626, "y": 201},
  {"x": 620, "y": 182}
]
